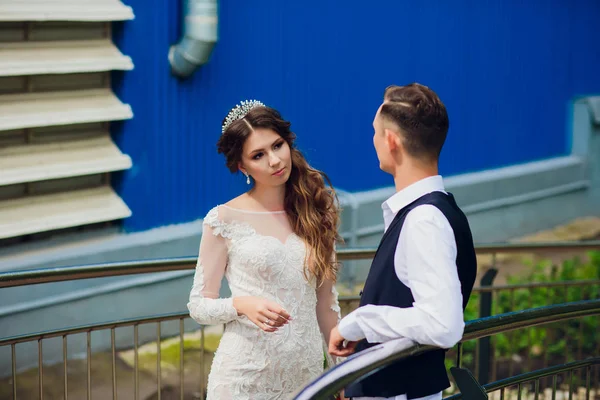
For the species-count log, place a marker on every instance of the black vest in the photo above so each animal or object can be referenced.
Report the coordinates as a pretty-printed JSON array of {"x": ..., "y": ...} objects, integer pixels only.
[{"x": 425, "y": 374}]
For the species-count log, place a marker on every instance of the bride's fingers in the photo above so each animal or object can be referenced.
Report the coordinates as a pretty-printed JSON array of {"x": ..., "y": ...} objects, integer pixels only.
[
  {"x": 265, "y": 325},
  {"x": 274, "y": 319},
  {"x": 280, "y": 311}
]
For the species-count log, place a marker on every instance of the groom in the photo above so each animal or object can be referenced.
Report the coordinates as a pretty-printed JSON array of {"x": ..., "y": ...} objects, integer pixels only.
[{"x": 424, "y": 269}]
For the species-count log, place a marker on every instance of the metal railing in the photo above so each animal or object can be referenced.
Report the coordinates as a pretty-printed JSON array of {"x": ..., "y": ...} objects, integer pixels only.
[
  {"x": 39, "y": 276},
  {"x": 88, "y": 329},
  {"x": 534, "y": 378},
  {"x": 60, "y": 274},
  {"x": 378, "y": 357},
  {"x": 486, "y": 366}
]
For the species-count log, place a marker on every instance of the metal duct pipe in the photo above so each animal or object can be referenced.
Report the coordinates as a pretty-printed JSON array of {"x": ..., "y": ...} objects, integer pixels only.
[{"x": 200, "y": 36}]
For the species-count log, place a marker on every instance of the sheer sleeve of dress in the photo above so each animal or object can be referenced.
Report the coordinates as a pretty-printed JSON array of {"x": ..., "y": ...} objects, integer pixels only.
[
  {"x": 204, "y": 305},
  {"x": 328, "y": 314}
]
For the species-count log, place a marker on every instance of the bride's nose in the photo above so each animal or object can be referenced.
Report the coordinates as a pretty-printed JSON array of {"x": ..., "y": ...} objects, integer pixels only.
[{"x": 274, "y": 160}]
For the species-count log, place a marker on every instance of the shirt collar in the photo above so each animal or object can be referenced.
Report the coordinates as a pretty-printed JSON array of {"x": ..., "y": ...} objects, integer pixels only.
[{"x": 411, "y": 193}]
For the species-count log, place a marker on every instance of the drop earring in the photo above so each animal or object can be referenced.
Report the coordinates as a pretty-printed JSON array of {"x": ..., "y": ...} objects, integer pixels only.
[{"x": 247, "y": 178}]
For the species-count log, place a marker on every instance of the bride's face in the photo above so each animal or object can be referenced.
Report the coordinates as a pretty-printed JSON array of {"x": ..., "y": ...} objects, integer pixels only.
[{"x": 266, "y": 157}]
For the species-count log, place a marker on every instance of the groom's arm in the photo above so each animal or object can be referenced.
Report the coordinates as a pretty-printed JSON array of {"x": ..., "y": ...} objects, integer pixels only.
[{"x": 436, "y": 318}]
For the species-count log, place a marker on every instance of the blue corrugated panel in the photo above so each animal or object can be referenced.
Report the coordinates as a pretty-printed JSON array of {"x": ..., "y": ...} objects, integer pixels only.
[{"x": 506, "y": 70}]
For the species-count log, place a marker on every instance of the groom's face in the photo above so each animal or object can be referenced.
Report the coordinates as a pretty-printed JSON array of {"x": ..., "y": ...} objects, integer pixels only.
[{"x": 379, "y": 142}]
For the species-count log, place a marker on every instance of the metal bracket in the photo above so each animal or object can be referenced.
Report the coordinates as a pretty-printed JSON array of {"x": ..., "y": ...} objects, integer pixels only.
[{"x": 468, "y": 385}]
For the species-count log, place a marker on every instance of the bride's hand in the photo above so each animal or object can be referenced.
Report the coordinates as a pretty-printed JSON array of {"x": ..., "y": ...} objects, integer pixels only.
[{"x": 265, "y": 314}]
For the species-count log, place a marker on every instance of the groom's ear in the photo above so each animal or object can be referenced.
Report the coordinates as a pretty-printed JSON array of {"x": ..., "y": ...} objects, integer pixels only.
[{"x": 392, "y": 139}]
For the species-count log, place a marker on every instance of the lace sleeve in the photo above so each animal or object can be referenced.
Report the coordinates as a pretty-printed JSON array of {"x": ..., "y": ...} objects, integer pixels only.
[
  {"x": 328, "y": 309},
  {"x": 328, "y": 314},
  {"x": 204, "y": 305}
]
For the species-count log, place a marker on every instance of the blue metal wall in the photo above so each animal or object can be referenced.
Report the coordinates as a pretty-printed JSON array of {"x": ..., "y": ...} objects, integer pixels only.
[{"x": 506, "y": 70}]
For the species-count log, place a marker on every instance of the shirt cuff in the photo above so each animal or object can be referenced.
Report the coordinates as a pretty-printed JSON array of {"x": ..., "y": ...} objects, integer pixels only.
[{"x": 350, "y": 329}]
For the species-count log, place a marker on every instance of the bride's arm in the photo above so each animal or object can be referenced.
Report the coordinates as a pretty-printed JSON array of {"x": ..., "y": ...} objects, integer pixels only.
[
  {"x": 204, "y": 305},
  {"x": 328, "y": 309},
  {"x": 328, "y": 313}
]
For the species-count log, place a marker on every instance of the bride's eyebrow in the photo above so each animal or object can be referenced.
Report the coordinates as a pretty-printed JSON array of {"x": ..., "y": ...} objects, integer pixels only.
[{"x": 261, "y": 149}]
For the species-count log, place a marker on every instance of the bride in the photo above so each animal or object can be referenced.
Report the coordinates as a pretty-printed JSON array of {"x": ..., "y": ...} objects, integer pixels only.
[{"x": 275, "y": 244}]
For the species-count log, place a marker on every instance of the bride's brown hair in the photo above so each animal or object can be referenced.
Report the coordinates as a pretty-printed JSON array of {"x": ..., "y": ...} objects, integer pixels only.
[{"x": 311, "y": 207}]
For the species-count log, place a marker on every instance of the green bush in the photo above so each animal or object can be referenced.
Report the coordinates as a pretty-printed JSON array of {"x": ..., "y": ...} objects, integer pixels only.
[{"x": 565, "y": 339}]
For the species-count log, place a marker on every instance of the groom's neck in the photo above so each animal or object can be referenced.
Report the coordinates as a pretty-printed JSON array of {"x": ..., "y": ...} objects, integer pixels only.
[{"x": 407, "y": 174}]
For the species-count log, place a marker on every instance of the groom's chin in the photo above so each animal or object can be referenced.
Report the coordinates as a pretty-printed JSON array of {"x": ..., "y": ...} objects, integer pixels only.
[{"x": 383, "y": 168}]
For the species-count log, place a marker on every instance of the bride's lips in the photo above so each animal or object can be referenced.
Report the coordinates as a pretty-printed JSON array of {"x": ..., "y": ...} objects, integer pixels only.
[{"x": 280, "y": 172}]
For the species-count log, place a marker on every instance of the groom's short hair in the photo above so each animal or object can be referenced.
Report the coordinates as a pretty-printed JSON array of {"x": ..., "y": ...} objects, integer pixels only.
[{"x": 421, "y": 117}]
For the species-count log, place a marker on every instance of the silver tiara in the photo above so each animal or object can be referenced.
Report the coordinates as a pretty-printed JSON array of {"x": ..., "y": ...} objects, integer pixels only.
[{"x": 240, "y": 111}]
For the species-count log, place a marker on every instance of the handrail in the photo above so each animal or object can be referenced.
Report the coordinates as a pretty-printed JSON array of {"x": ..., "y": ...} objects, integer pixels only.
[
  {"x": 91, "y": 328},
  {"x": 59, "y": 274},
  {"x": 360, "y": 253},
  {"x": 524, "y": 247},
  {"x": 377, "y": 357},
  {"x": 497, "y": 288},
  {"x": 483, "y": 327}
]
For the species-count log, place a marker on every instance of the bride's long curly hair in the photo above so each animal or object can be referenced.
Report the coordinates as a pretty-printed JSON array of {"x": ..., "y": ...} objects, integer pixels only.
[{"x": 311, "y": 206}]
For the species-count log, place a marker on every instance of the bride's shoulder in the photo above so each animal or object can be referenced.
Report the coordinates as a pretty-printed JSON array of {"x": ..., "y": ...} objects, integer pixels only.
[
  {"x": 217, "y": 221},
  {"x": 225, "y": 213},
  {"x": 212, "y": 218},
  {"x": 238, "y": 203}
]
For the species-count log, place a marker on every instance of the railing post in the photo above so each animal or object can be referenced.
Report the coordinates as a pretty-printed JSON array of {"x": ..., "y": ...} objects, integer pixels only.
[{"x": 485, "y": 310}]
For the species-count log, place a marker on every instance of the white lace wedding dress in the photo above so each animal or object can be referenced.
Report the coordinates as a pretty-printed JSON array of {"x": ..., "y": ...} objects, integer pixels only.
[{"x": 260, "y": 256}]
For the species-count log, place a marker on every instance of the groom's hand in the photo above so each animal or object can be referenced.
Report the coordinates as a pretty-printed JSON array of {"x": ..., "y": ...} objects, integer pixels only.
[{"x": 338, "y": 346}]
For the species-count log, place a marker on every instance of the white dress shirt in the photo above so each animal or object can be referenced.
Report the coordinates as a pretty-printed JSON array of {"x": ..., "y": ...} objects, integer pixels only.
[{"x": 424, "y": 261}]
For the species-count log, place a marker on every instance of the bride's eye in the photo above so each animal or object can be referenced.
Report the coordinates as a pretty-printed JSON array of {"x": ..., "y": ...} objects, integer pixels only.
[{"x": 257, "y": 156}]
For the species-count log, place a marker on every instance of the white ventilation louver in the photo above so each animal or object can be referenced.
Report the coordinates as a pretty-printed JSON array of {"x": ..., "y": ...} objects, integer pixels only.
[
  {"x": 27, "y": 215},
  {"x": 61, "y": 57},
  {"x": 64, "y": 10},
  {"x": 56, "y": 106},
  {"x": 29, "y": 110},
  {"x": 37, "y": 162}
]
